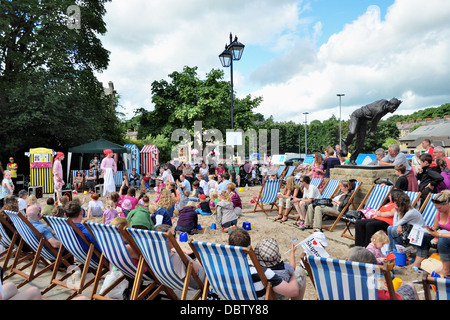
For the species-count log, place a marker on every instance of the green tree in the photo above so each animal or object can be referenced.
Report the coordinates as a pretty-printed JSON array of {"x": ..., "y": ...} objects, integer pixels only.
[{"x": 48, "y": 91}]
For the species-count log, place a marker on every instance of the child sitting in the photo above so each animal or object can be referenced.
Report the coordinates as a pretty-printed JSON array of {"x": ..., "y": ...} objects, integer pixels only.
[
  {"x": 95, "y": 206},
  {"x": 23, "y": 194},
  {"x": 213, "y": 200},
  {"x": 161, "y": 216},
  {"x": 48, "y": 207},
  {"x": 226, "y": 218},
  {"x": 378, "y": 240},
  {"x": 188, "y": 219},
  {"x": 203, "y": 207},
  {"x": 126, "y": 207},
  {"x": 196, "y": 190},
  {"x": 237, "y": 203},
  {"x": 110, "y": 213}
]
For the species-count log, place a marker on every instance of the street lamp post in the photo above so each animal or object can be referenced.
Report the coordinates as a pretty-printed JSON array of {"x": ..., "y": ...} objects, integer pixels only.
[
  {"x": 233, "y": 51},
  {"x": 340, "y": 95},
  {"x": 306, "y": 134}
]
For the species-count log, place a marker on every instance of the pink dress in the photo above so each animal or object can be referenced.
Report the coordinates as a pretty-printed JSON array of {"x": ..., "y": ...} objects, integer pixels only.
[
  {"x": 315, "y": 174},
  {"x": 57, "y": 170}
]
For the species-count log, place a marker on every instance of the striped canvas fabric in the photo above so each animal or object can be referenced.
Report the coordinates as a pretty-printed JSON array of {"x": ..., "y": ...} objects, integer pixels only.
[
  {"x": 227, "y": 270},
  {"x": 29, "y": 236},
  {"x": 155, "y": 250},
  {"x": 5, "y": 241},
  {"x": 271, "y": 188},
  {"x": 442, "y": 288},
  {"x": 429, "y": 213},
  {"x": 114, "y": 248},
  {"x": 68, "y": 238},
  {"x": 413, "y": 195},
  {"x": 344, "y": 280},
  {"x": 289, "y": 172},
  {"x": 280, "y": 170},
  {"x": 330, "y": 188},
  {"x": 378, "y": 195}
]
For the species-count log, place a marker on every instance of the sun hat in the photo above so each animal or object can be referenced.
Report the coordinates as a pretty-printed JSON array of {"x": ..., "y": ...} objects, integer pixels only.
[
  {"x": 202, "y": 196},
  {"x": 126, "y": 204},
  {"x": 268, "y": 253},
  {"x": 192, "y": 204}
]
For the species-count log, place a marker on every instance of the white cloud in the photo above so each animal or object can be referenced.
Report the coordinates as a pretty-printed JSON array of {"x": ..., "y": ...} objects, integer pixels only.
[{"x": 403, "y": 56}]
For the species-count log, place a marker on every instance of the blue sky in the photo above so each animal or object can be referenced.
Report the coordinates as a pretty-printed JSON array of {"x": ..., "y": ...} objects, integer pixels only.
[{"x": 299, "y": 53}]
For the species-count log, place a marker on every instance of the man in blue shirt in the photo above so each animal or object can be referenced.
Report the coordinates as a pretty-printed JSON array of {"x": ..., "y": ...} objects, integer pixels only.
[
  {"x": 33, "y": 214},
  {"x": 223, "y": 182},
  {"x": 74, "y": 213}
]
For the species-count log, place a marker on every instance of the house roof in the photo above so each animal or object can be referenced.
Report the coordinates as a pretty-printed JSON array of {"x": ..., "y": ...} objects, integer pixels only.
[{"x": 433, "y": 132}]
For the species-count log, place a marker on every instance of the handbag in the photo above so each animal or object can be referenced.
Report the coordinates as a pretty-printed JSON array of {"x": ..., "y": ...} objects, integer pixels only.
[
  {"x": 406, "y": 229},
  {"x": 354, "y": 215},
  {"x": 322, "y": 202}
]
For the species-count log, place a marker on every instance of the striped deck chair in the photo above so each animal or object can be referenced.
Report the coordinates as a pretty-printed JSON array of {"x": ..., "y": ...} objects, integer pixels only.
[
  {"x": 268, "y": 195},
  {"x": 336, "y": 279},
  {"x": 414, "y": 196},
  {"x": 44, "y": 253},
  {"x": 330, "y": 188},
  {"x": 67, "y": 233},
  {"x": 228, "y": 271},
  {"x": 10, "y": 246},
  {"x": 280, "y": 171},
  {"x": 429, "y": 210},
  {"x": 373, "y": 199},
  {"x": 344, "y": 210},
  {"x": 154, "y": 246},
  {"x": 113, "y": 241},
  {"x": 441, "y": 285},
  {"x": 289, "y": 172}
]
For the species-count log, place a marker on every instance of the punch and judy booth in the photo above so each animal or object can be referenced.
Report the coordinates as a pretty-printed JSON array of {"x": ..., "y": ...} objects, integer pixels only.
[
  {"x": 149, "y": 158},
  {"x": 41, "y": 171}
]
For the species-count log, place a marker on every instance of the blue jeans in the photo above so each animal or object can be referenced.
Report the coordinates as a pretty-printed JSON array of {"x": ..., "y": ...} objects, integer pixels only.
[
  {"x": 394, "y": 238},
  {"x": 443, "y": 247}
]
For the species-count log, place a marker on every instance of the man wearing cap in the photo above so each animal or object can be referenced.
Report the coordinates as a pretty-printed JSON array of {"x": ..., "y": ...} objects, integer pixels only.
[
  {"x": 109, "y": 168},
  {"x": 12, "y": 166}
]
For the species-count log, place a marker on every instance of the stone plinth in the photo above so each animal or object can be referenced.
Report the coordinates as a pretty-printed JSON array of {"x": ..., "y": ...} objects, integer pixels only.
[{"x": 365, "y": 174}]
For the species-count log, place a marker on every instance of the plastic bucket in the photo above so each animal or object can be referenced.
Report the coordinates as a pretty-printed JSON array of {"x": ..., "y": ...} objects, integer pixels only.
[{"x": 400, "y": 259}]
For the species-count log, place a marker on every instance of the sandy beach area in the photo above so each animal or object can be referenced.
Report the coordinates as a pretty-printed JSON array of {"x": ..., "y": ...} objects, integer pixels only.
[{"x": 262, "y": 227}]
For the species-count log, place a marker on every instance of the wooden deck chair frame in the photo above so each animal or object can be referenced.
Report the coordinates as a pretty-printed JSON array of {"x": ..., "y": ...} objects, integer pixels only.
[
  {"x": 87, "y": 264},
  {"x": 260, "y": 201},
  {"x": 10, "y": 246},
  {"x": 329, "y": 287},
  {"x": 158, "y": 258},
  {"x": 113, "y": 240},
  {"x": 344, "y": 210},
  {"x": 204, "y": 249},
  {"x": 44, "y": 253},
  {"x": 363, "y": 205},
  {"x": 440, "y": 285}
]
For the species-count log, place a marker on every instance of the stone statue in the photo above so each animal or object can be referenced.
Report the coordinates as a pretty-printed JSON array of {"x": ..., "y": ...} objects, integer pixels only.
[{"x": 358, "y": 123}]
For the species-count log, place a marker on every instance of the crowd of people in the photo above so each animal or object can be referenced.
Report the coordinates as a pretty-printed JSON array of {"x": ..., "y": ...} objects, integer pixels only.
[{"x": 188, "y": 193}]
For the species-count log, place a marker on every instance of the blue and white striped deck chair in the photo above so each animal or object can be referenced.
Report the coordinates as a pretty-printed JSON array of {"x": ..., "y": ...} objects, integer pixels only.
[
  {"x": 373, "y": 199},
  {"x": 110, "y": 238},
  {"x": 346, "y": 280},
  {"x": 330, "y": 188},
  {"x": 441, "y": 285},
  {"x": 228, "y": 271},
  {"x": 43, "y": 251},
  {"x": 414, "y": 196},
  {"x": 316, "y": 182},
  {"x": 429, "y": 210},
  {"x": 280, "y": 171},
  {"x": 289, "y": 172},
  {"x": 268, "y": 195},
  {"x": 8, "y": 244},
  {"x": 155, "y": 249},
  {"x": 69, "y": 235},
  {"x": 345, "y": 209}
]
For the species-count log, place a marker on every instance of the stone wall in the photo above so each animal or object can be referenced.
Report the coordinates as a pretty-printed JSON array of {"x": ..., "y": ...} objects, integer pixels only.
[{"x": 364, "y": 174}]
